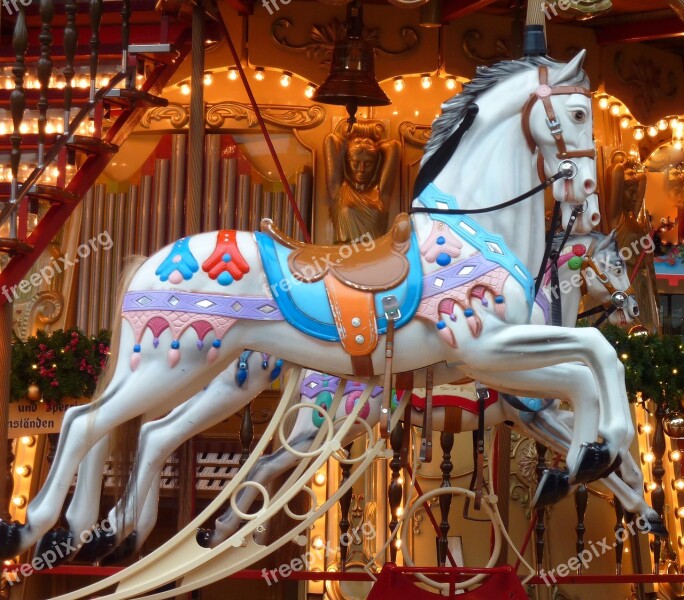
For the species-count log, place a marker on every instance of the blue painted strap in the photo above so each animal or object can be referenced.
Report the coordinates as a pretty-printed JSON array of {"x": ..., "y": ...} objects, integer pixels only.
[{"x": 492, "y": 246}]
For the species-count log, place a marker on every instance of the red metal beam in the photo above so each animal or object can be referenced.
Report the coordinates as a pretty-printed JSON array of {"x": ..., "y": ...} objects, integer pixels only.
[
  {"x": 640, "y": 31},
  {"x": 455, "y": 9},
  {"x": 87, "y": 175}
]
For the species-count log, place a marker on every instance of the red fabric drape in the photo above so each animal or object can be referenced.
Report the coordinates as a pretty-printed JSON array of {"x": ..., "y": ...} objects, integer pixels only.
[{"x": 500, "y": 585}]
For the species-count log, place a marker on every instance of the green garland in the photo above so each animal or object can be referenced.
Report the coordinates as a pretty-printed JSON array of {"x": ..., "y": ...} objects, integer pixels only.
[
  {"x": 62, "y": 364},
  {"x": 654, "y": 365}
]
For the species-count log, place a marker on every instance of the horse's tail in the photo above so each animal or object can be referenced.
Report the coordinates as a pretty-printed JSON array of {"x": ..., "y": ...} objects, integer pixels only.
[{"x": 123, "y": 441}]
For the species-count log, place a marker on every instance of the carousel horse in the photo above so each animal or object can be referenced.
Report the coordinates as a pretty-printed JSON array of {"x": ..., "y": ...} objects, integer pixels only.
[
  {"x": 594, "y": 257},
  {"x": 452, "y": 279}
]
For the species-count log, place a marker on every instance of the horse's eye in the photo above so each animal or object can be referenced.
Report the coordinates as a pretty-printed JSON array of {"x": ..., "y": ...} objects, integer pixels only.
[
  {"x": 579, "y": 115},
  {"x": 618, "y": 271}
]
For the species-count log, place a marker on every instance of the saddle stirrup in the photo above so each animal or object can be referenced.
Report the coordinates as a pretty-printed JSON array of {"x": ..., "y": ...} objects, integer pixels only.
[
  {"x": 392, "y": 313},
  {"x": 426, "y": 444}
]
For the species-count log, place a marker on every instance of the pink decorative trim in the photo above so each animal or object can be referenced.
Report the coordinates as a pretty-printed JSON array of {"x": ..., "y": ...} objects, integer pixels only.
[
  {"x": 178, "y": 322},
  {"x": 452, "y": 245}
]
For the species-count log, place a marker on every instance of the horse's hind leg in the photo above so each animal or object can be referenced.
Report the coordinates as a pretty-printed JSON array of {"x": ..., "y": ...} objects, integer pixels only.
[{"x": 158, "y": 439}]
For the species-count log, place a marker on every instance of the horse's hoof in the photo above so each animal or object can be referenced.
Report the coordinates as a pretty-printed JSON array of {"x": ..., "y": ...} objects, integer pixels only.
[
  {"x": 98, "y": 546},
  {"x": 10, "y": 538},
  {"x": 553, "y": 486},
  {"x": 593, "y": 462},
  {"x": 656, "y": 527},
  {"x": 56, "y": 547},
  {"x": 124, "y": 550},
  {"x": 204, "y": 536}
]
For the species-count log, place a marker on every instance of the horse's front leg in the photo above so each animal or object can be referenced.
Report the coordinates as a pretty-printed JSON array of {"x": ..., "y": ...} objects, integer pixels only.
[{"x": 531, "y": 347}]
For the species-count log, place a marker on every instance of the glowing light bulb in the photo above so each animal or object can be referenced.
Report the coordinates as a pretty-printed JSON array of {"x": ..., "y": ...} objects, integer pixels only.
[
  {"x": 285, "y": 78},
  {"x": 426, "y": 81},
  {"x": 19, "y": 501},
  {"x": 28, "y": 440},
  {"x": 83, "y": 83},
  {"x": 208, "y": 78},
  {"x": 677, "y": 145},
  {"x": 662, "y": 124},
  {"x": 675, "y": 455},
  {"x": 638, "y": 133},
  {"x": 318, "y": 542},
  {"x": 233, "y": 73},
  {"x": 24, "y": 128},
  {"x": 259, "y": 74},
  {"x": 648, "y": 457},
  {"x": 309, "y": 91},
  {"x": 604, "y": 102},
  {"x": 450, "y": 83},
  {"x": 185, "y": 89},
  {"x": 3, "y": 128},
  {"x": 615, "y": 109},
  {"x": 624, "y": 122},
  {"x": 49, "y": 128},
  {"x": 673, "y": 122},
  {"x": 680, "y": 512},
  {"x": 652, "y": 131},
  {"x": 23, "y": 470},
  {"x": 104, "y": 82},
  {"x": 679, "y": 484},
  {"x": 651, "y": 486},
  {"x": 319, "y": 478},
  {"x": 646, "y": 428},
  {"x": 399, "y": 84}
]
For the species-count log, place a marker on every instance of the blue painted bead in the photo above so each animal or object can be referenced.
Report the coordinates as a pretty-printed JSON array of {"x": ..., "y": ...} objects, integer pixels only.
[
  {"x": 226, "y": 258},
  {"x": 499, "y": 299},
  {"x": 468, "y": 312},
  {"x": 175, "y": 344},
  {"x": 225, "y": 278},
  {"x": 440, "y": 240},
  {"x": 216, "y": 343},
  {"x": 136, "y": 348},
  {"x": 440, "y": 324},
  {"x": 443, "y": 259}
]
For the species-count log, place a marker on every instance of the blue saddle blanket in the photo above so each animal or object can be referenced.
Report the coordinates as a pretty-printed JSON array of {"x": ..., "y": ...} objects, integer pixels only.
[{"x": 305, "y": 306}]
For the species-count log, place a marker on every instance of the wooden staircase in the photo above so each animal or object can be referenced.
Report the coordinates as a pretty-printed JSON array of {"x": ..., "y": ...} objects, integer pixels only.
[{"x": 78, "y": 78}]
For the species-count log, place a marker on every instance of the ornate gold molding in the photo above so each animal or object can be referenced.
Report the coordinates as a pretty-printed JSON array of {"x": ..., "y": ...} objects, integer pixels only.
[
  {"x": 287, "y": 117},
  {"x": 503, "y": 48},
  {"x": 645, "y": 79},
  {"x": 323, "y": 37},
  {"x": 414, "y": 134},
  {"x": 177, "y": 114}
]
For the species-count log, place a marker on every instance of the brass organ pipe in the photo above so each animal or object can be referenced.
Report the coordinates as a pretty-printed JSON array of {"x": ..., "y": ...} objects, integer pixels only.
[
  {"x": 279, "y": 199},
  {"x": 96, "y": 264},
  {"x": 255, "y": 212},
  {"x": 107, "y": 265},
  {"x": 85, "y": 264},
  {"x": 161, "y": 194},
  {"x": 179, "y": 143},
  {"x": 131, "y": 222},
  {"x": 211, "y": 185},
  {"x": 145, "y": 212},
  {"x": 267, "y": 205},
  {"x": 228, "y": 180},
  {"x": 119, "y": 240},
  {"x": 289, "y": 213},
  {"x": 244, "y": 184}
]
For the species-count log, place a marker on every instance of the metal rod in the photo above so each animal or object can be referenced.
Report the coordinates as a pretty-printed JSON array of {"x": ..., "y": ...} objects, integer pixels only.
[
  {"x": 177, "y": 186},
  {"x": 85, "y": 263},
  {"x": 228, "y": 180},
  {"x": 161, "y": 194},
  {"x": 211, "y": 178},
  {"x": 145, "y": 216},
  {"x": 96, "y": 265}
]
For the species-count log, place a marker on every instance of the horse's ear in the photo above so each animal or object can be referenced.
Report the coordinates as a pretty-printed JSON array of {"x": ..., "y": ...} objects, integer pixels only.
[
  {"x": 607, "y": 241},
  {"x": 571, "y": 71}
]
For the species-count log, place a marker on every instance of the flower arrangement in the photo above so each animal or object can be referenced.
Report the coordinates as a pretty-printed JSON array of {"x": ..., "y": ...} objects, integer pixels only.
[
  {"x": 654, "y": 365},
  {"x": 52, "y": 366}
]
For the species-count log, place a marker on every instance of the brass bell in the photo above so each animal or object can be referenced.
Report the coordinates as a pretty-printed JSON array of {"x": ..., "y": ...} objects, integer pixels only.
[{"x": 352, "y": 82}]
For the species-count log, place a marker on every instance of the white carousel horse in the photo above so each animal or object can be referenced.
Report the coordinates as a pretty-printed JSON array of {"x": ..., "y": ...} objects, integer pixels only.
[
  {"x": 265, "y": 292},
  {"x": 594, "y": 257}
]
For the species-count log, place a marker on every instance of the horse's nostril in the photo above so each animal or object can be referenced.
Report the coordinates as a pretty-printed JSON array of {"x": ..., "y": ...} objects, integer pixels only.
[
  {"x": 589, "y": 186},
  {"x": 595, "y": 218}
]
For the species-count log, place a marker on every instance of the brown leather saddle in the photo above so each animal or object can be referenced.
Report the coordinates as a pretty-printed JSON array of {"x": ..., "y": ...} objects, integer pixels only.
[{"x": 371, "y": 269}]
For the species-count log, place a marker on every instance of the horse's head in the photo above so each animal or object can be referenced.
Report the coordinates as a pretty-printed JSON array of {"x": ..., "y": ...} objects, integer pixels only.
[
  {"x": 557, "y": 119},
  {"x": 607, "y": 280}
]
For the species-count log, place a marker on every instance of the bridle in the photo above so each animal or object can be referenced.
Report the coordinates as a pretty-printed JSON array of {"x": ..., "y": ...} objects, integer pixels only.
[
  {"x": 618, "y": 298},
  {"x": 544, "y": 93}
]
